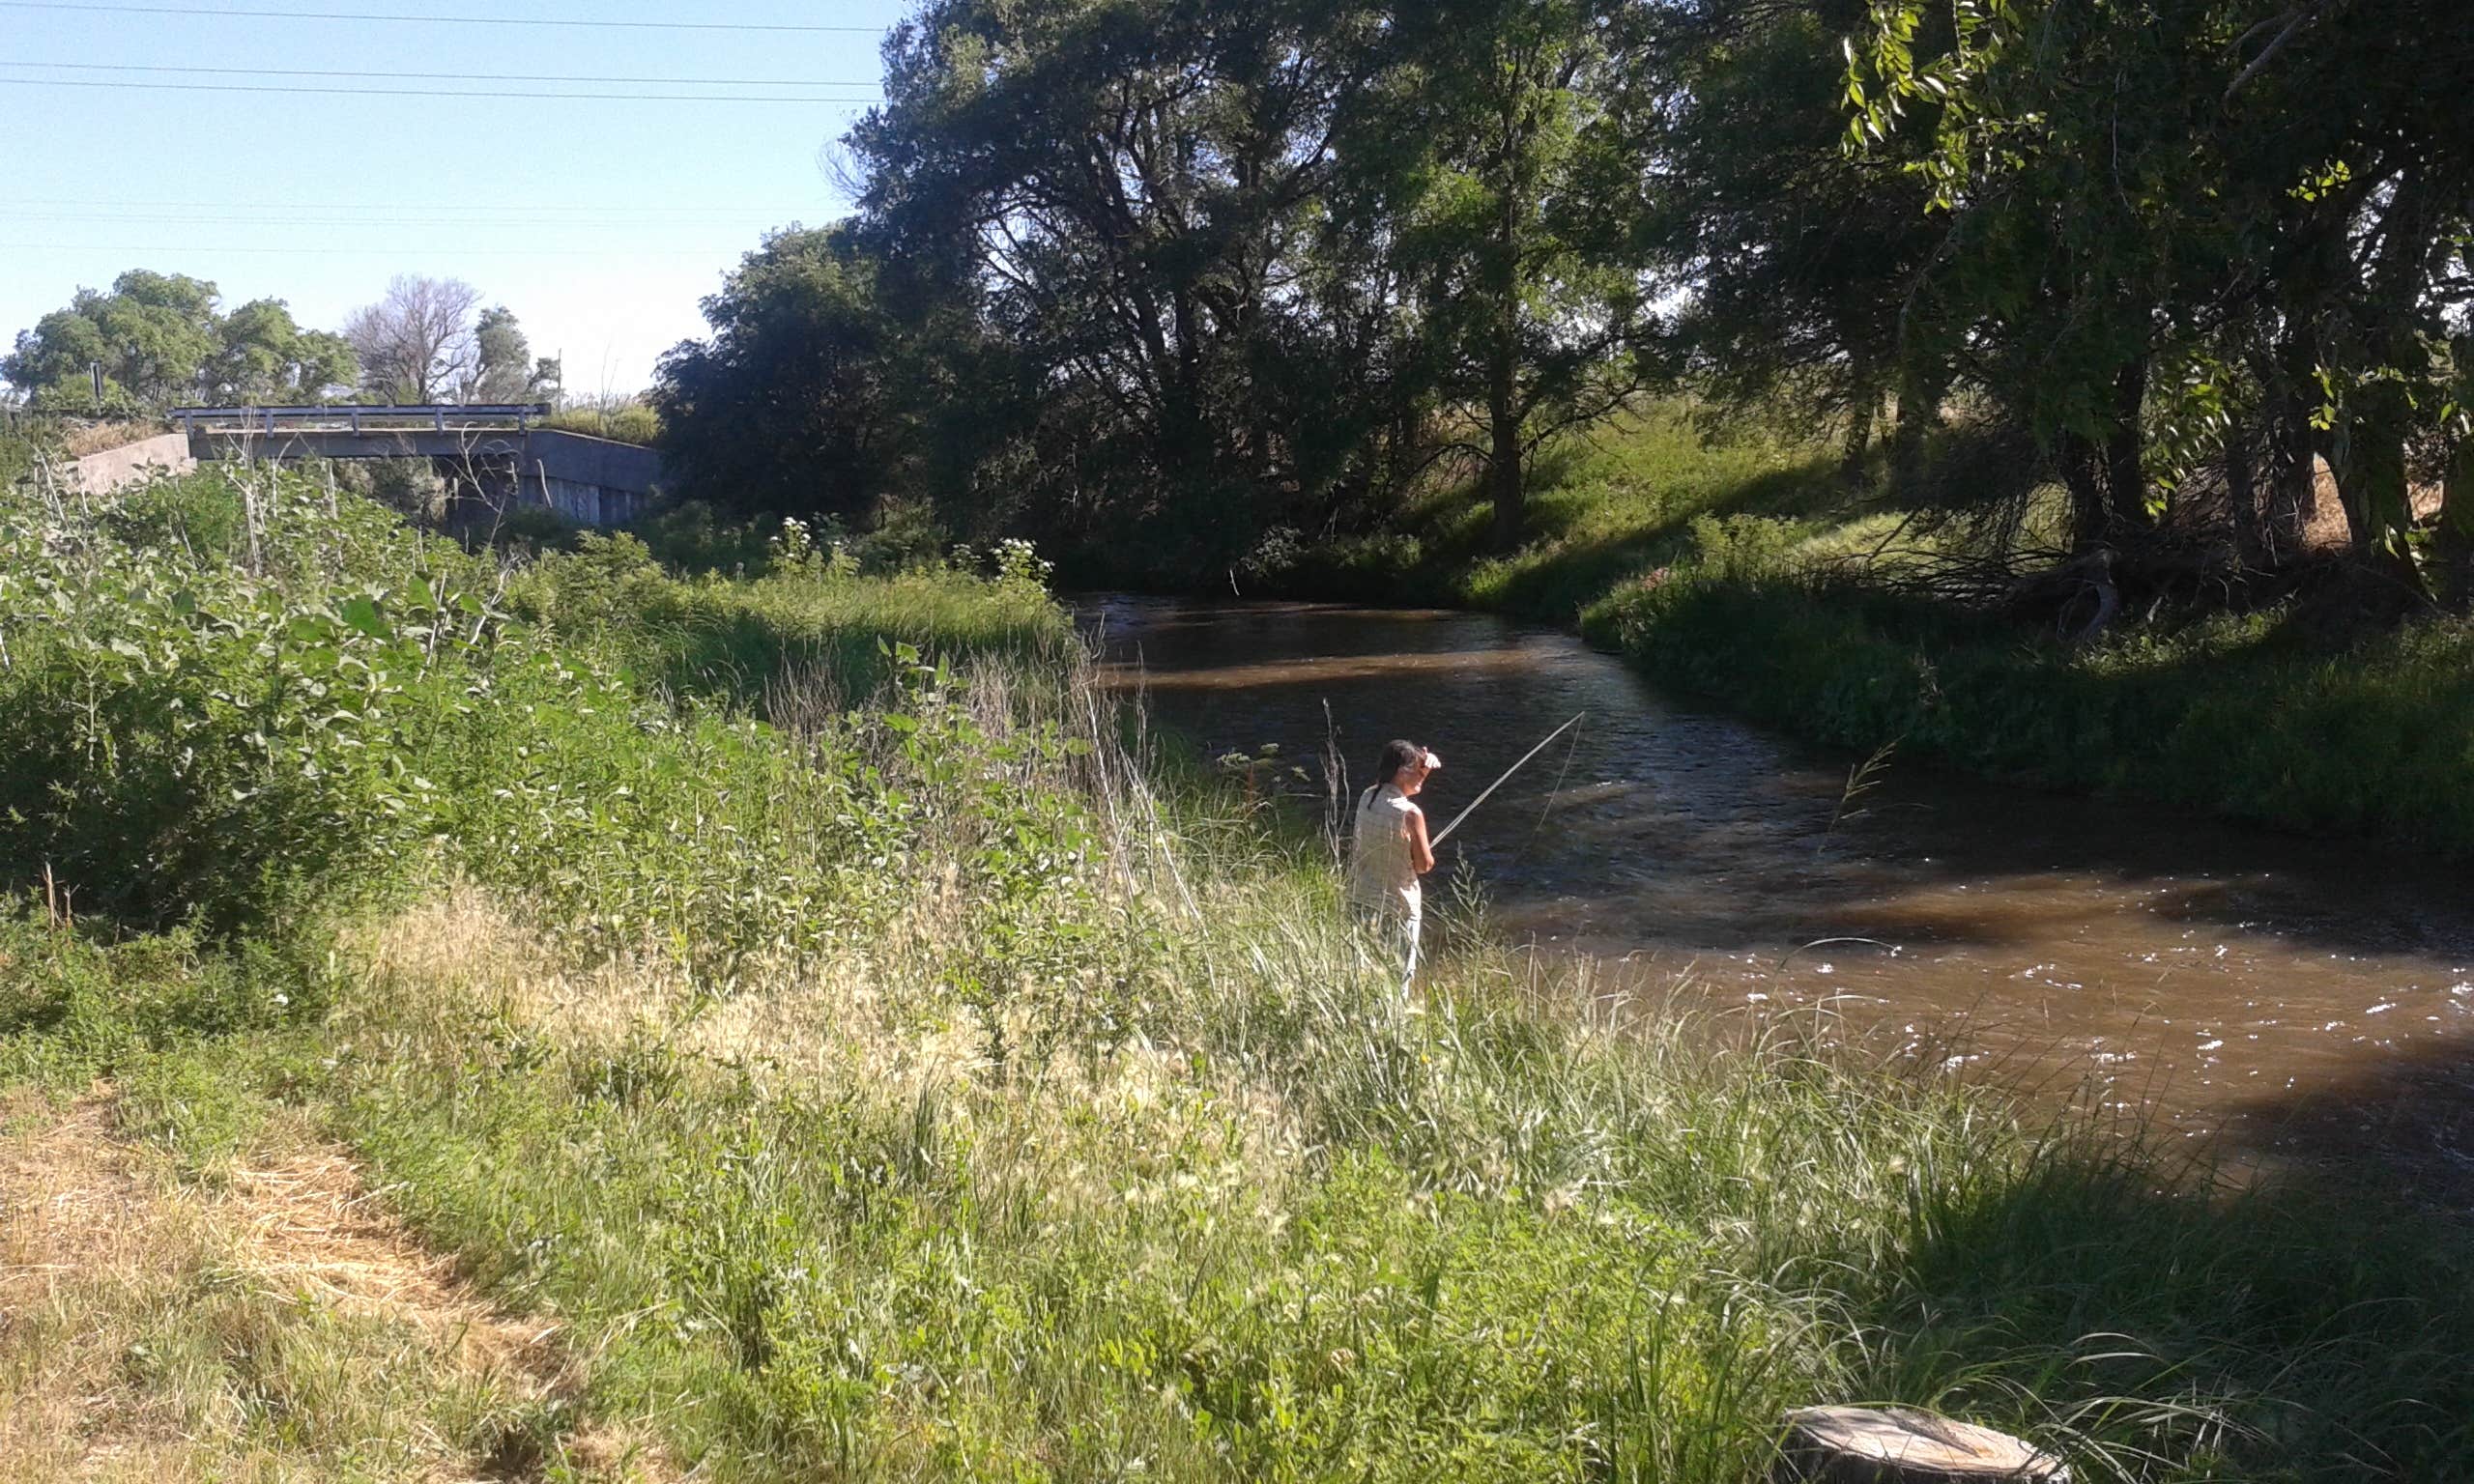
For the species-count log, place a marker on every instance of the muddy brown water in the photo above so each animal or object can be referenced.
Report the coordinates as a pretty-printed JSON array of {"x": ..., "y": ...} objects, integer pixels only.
[{"x": 2272, "y": 997}]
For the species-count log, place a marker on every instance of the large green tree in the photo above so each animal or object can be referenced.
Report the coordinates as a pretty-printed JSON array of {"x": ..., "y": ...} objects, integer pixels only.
[
  {"x": 264, "y": 356},
  {"x": 163, "y": 338},
  {"x": 1518, "y": 213},
  {"x": 2215, "y": 229},
  {"x": 1125, "y": 187},
  {"x": 1195, "y": 269},
  {"x": 150, "y": 334},
  {"x": 51, "y": 363},
  {"x": 504, "y": 368},
  {"x": 788, "y": 407},
  {"x": 1799, "y": 254}
]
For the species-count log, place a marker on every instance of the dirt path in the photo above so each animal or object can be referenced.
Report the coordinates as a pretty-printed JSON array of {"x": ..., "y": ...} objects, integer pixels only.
[{"x": 276, "y": 1322}]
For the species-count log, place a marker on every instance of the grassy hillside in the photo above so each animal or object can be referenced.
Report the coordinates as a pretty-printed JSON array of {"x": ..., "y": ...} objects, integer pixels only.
[
  {"x": 1604, "y": 510},
  {"x": 567, "y": 1022}
]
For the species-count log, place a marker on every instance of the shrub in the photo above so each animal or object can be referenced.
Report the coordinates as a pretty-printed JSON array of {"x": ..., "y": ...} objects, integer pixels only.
[
  {"x": 232, "y": 703},
  {"x": 626, "y": 422},
  {"x": 88, "y": 1007},
  {"x": 211, "y": 716},
  {"x": 691, "y": 537}
]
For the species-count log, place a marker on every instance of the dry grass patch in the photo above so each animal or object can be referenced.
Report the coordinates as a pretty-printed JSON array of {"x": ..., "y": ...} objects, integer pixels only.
[
  {"x": 73, "y": 1212},
  {"x": 305, "y": 1223},
  {"x": 859, "y": 1014},
  {"x": 95, "y": 438},
  {"x": 276, "y": 1323},
  {"x": 462, "y": 947}
]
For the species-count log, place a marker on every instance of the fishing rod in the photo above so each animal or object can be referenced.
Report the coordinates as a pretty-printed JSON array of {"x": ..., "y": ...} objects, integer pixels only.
[{"x": 1507, "y": 775}]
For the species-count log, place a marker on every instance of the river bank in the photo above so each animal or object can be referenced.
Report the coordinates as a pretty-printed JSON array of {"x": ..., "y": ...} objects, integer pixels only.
[
  {"x": 2280, "y": 999},
  {"x": 1739, "y": 571},
  {"x": 544, "y": 1046}
]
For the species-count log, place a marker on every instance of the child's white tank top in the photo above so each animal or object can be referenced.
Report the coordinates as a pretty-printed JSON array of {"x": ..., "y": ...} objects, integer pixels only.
[{"x": 1381, "y": 874}]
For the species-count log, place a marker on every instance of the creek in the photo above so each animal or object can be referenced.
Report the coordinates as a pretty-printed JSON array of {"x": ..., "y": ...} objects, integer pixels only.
[{"x": 2269, "y": 996}]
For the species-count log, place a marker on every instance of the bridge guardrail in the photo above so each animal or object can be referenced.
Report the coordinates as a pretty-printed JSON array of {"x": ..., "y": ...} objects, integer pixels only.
[{"x": 357, "y": 417}]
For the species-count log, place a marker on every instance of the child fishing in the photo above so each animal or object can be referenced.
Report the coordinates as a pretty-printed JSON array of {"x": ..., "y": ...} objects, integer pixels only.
[{"x": 1389, "y": 851}]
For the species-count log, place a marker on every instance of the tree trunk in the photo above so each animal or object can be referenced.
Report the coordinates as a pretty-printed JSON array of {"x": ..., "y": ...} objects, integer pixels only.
[
  {"x": 2293, "y": 493},
  {"x": 1905, "y": 1446},
  {"x": 2107, "y": 484},
  {"x": 2456, "y": 540},
  {"x": 1503, "y": 372},
  {"x": 2370, "y": 467},
  {"x": 1503, "y": 468},
  {"x": 2453, "y": 542},
  {"x": 2125, "y": 479},
  {"x": 2242, "y": 497},
  {"x": 1862, "y": 409},
  {"x": 1920, "y": 390},
  {"x": 2371, "y": 453},
  {"x": 2083, "y": 475}
]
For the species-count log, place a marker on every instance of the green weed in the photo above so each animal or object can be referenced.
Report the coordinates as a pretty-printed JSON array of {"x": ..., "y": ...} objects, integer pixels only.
[{"x": 871, "y": 1068}]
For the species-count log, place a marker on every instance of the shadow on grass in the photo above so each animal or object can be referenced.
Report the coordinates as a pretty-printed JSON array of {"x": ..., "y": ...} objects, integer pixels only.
[
  {"x": 1560, "y": 574},
  {"x": 2260, "y": 720},
  {"x": 2286, "y": 1330}
]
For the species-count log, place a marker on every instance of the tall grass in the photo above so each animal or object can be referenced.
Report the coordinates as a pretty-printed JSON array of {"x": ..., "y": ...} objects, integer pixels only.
[
  {"x": 732, "y": 635},
  {"x": 623, "y": 418},
  {"x": 908, "y": 1083},
  {"x": 2249, "y": 716}
]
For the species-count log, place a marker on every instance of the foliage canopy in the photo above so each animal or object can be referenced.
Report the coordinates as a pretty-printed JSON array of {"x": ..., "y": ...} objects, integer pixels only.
[
  {"x": 161, "y": 339},
  {"x": 1202, "y": 277}
]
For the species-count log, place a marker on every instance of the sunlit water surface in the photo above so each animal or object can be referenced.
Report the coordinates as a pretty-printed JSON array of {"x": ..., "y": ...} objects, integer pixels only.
[{"x": 2296, "y": 997}]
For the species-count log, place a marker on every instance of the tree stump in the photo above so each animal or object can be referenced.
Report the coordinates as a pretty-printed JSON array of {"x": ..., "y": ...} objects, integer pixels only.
[{"x": 1905, "y": 1446}]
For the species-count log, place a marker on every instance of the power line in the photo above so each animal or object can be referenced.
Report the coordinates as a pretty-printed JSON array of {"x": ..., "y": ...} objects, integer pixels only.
[
  {"x": 304, "y": 72},
  {"x": 163, "y": 251},
  {"x": 252, "y": 209},
  {"x": 278, "y": 216},
  {"x": 531, "y": 97},
  {"x": 630, "y": 210},
  {"x": 431, "y": 20}
]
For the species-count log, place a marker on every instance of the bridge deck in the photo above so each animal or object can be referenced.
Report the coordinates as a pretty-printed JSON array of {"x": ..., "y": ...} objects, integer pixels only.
[
  {"x": 360, "y": 417},
  {"x": 498, "y": 449},
  {"x": 595, "y": 480}
]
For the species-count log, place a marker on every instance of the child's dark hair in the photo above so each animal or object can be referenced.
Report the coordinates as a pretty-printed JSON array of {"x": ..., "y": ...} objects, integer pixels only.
[{"x": 1396, "y": 755}]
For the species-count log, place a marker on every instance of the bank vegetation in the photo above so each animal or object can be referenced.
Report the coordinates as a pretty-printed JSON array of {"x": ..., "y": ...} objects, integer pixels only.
[
  {"x": 555, "y": 1018},
  {"x": 2147, "y": 327}
]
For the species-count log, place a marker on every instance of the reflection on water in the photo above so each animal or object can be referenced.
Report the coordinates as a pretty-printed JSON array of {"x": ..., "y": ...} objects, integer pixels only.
[{"x": 2292, "y": 994}]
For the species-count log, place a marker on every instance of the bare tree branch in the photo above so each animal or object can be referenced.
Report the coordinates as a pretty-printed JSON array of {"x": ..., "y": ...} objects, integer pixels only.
[{"x": 417, "y": 342}]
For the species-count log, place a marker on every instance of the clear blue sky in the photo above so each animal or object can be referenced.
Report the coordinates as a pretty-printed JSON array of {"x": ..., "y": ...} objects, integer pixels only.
[{"x": 600, "y": 221}]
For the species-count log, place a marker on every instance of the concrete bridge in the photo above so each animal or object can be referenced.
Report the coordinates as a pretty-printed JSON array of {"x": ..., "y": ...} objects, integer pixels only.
[{"x": 494, "y": 453}]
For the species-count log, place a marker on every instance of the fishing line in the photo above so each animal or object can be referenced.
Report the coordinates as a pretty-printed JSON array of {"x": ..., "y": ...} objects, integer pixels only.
[
  {"x": 1790, "y": 957},
  {"x": 1504, "y": 777},
  {"x": 1571, "y": 751}
]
